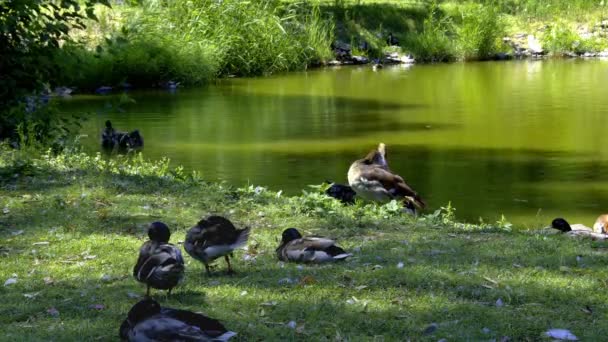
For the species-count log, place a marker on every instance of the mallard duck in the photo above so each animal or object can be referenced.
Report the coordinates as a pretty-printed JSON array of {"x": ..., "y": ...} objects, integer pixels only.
[
  {"x": 160, "y": 264},
  {"x": 296, "y": 248},
  {"x": 599, "y": 226},
  {"x": 372, "y": 180},
  {"x": 107, "y": 136},
  {"x": 124, "y": 141},
  {"x": 148, "y": 322},
  {"x": 341, "y": 192},
  {"x": 392, "y": 40},
  {"x": 563, "y": 226},
  {"x": 212, "y": 238}
]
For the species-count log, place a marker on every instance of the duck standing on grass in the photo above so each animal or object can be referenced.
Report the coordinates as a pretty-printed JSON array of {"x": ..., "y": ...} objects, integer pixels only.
[
  {"x": 372, "y": 179},
  {"x": 296, "y": 248},
  {"x": 160, "y": 264},
  {"x": 214, "y": 237},
  {"x": 148, "y": 322}
]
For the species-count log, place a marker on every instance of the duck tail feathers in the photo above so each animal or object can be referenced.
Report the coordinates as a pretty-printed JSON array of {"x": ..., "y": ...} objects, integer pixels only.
[
  {"x": 342, "y": 256},
  {"x": 241, "y": 241},
  {"x": 225, "y": 336}
]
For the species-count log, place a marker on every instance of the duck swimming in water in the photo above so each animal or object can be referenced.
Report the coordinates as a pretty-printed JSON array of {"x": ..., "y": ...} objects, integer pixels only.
[
  {"x": 160, "y": 264},
  {"x": 212, "y": 238},
  {"x": 148, "y": 322},
  {"x": 372, "y": 180},
  {"x": 122, "y": 141}
]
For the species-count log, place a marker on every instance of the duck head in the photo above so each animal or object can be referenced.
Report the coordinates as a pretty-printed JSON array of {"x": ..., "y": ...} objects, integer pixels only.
[
  {"x": 159, "y": 232},
  {"x": 143, "y": 309},
  {"x": 561, "y": 224},
  {"x": 108, "y": 124},
  {"x": 290, "y": 234},
  {"x": 376, "y": 156}
]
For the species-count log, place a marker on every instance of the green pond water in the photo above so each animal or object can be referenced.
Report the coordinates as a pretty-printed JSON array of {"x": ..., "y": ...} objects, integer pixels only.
[{"x": 519, "y": 138}]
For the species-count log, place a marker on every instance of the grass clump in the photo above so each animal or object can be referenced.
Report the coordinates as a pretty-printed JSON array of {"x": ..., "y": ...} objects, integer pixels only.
[
  {"x": 480, "y": 32},
  {"x": 72, "y": 225},
  {"x": 193, "y": 42}
]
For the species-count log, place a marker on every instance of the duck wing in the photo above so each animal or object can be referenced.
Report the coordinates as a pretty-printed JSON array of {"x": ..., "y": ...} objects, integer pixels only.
[
  {"x": 164, "y": 328},
  {"x": 392, "y": 183},
  {"x": 164, "y": 263},
  {"x": 210, "y": 326}
]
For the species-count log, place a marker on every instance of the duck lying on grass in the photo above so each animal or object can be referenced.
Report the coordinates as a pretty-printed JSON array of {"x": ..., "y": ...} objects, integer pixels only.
[
  {"x": 212, "y": 238},
  {"x": 296, "y": 248},
  {"x": 122, "y": 141},
  {"x": 160, "y": 264},
  {"x": 372, "y": 180},
  {"x": 147, "y": 322},
  {"x": 597, "y": 232}
]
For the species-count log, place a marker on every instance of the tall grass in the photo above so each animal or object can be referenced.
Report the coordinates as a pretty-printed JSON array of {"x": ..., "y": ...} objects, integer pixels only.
[
  {"x": 480, "y": 32},
  {"x": 195, "y": 41}
]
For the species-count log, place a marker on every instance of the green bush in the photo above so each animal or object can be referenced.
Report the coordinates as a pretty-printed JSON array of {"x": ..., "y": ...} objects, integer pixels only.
[
  {"x": 434, "y": 43},
  {"x": 480, "y": 32}
]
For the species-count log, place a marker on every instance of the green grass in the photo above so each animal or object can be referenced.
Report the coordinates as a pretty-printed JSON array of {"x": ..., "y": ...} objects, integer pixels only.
[{"x": 71, "y": 226}]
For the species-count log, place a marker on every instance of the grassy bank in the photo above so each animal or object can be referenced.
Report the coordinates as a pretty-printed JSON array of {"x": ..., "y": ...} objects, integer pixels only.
[
  {"x": 71, "y": 226},
  {"x": 151, "y": 42}
]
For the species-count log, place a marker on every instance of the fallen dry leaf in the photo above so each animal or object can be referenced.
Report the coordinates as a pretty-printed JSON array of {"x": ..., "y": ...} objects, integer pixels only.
[
  {"x": 97, "y": 306},
  {"x": 41, "y": 243},
  {"x": 48, "y": 281}
]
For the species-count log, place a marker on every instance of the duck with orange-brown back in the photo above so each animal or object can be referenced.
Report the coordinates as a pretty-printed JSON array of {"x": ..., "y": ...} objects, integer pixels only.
[{"x": 372, "y": 180}]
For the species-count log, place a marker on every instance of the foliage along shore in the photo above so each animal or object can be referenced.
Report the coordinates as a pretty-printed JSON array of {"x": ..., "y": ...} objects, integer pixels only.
[
  {"x": 71, "y": 225},
  {"x": 151, "y": 43}
]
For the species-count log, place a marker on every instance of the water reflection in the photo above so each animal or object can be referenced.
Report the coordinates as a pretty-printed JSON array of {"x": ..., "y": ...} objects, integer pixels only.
[{"x": 518, "y": 138}]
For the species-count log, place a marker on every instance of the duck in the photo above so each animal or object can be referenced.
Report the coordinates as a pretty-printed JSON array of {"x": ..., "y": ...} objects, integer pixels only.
[
  {"x": 214, "y": 237},
  {"x": 315, "y": 249},
  {"x": 372, "y": 180},
  {"x": 599, "y": 227},
  {"x": 392, "y": 40},
  {"x": 341, "y": 192},
  {"x": 124, "y": 141},
  {"x": 160, "y": 264},
  {"x": 601, "y": 224},
  {"x": 107, "y": 136},
  {"x": 147, "y": 321}
]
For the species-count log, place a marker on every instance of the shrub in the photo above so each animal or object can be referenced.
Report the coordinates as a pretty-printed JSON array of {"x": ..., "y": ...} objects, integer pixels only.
[{"x": 480, "y": 32}]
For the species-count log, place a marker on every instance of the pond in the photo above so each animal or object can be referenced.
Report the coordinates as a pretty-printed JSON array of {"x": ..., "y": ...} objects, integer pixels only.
[{"x": 519, "y": 138}]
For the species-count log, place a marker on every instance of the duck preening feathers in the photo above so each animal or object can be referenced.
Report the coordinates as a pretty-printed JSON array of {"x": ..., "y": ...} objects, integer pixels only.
[
  {"x": 122, "y": 141},
  {"x": 214, "y": 237},
  {"x": 148, "y": 322},
  {"x": 296, "y": 248},
  {"x": 372, "y": 179},
  {"x": 160, "y": 264}
]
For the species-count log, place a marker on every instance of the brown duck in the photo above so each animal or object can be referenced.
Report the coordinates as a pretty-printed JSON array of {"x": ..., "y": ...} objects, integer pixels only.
[
  {"x": 212, "y": 238},
  {"x": 372, "y": 180}
]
